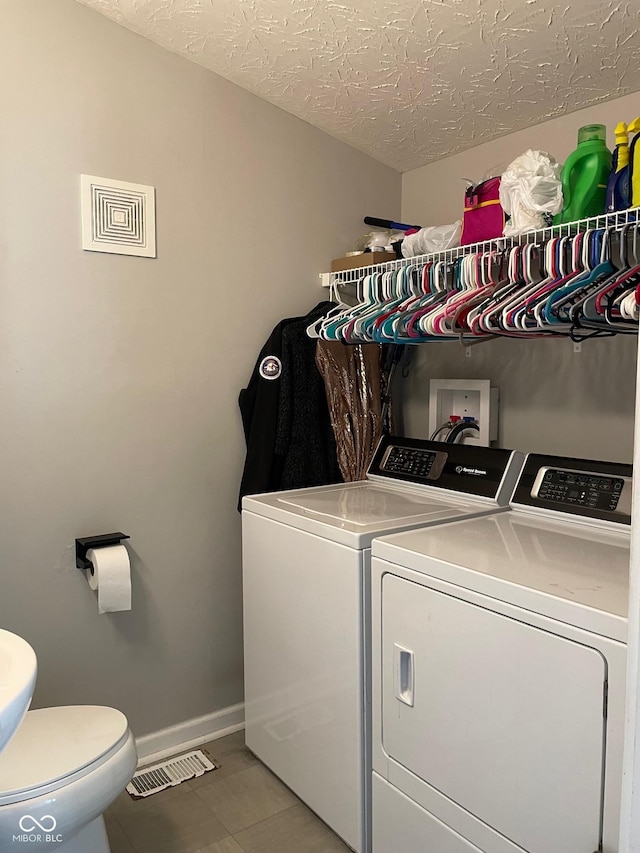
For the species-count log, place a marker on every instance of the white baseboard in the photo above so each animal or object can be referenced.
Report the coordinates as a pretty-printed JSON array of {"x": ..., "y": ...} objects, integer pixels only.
[{"x": 191, "y": 733}]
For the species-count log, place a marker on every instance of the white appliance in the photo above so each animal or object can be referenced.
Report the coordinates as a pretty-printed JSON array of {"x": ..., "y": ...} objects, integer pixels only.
[
  {"x": 499, "y": 670},
  {"x": 306, "y": 561}
]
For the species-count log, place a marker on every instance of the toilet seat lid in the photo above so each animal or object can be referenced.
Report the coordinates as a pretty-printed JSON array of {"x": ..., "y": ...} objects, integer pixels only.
[{"x": 54, "y": 743}]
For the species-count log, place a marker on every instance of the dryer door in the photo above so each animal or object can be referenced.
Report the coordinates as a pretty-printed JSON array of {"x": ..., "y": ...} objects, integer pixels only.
[{"x": 503, "y": 718}]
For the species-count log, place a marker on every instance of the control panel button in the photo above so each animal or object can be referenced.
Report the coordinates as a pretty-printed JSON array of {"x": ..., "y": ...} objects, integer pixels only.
[
  {"x": 412, "y": 461},
  {"x": 576, "y": 489}
]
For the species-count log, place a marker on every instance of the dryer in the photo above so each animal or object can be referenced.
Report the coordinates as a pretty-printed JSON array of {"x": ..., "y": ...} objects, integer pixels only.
[
  {"x": 499, "y": 671},
  {"x": 306, "y": 563}
]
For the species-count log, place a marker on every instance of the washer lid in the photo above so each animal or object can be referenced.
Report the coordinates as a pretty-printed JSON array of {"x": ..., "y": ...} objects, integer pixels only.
[
  {"x": 53, "y": 743},
  {"x": 365, "y": 504},
  {"x": 352, "y": 514}
]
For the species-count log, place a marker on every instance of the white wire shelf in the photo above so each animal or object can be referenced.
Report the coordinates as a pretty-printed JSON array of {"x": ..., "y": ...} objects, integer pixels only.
[{"x": 615, "y": 221}]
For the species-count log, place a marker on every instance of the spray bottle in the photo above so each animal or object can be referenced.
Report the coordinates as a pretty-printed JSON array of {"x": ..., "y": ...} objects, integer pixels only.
[
  {"x": 634, "y": 164},
  {"x": 618, "y": 183}
]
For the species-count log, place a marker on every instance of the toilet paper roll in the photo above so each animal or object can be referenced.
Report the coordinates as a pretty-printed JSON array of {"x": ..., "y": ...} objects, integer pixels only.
[{"x": 111, "y": 577}]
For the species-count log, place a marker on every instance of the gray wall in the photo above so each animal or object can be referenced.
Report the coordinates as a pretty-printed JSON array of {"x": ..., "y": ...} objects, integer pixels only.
[
  {"x": 119, "y": 376},
  {"x": 552, "y": 399}
]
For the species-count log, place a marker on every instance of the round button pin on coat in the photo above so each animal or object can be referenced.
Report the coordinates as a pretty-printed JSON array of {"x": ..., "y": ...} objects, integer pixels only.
[{"x": 270, "y": 367}]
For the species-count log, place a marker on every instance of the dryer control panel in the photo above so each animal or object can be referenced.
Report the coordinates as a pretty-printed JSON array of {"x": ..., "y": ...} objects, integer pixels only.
[
  {"x": 579, "y": 488},
  {"x": 600, "y": 490}
]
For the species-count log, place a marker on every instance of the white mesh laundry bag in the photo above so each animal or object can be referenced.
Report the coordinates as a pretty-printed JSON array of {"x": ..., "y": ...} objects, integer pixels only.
[{"x": 530, "y": 187}]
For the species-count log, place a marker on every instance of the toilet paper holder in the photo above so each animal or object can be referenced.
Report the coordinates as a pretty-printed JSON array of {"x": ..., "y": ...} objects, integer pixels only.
[{"x": 102, "y": 541}]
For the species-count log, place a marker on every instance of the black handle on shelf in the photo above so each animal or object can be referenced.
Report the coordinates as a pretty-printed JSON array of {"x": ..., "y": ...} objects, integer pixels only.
[
  {"x": 388, "y": 223},
  {"x": 102, "y": 541}
]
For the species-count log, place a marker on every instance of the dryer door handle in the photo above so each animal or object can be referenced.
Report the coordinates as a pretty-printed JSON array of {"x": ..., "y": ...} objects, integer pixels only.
[{"x": 403, "y": 674}]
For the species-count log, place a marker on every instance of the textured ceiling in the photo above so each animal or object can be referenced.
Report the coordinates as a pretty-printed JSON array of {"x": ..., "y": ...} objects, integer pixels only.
[{"x": 407, "y": 81}]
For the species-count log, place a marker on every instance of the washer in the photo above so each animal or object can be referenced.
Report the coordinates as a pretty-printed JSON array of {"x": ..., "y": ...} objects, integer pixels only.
[
  {"x": 499, "y": 649},
  {"x": 306, "y": 563}
]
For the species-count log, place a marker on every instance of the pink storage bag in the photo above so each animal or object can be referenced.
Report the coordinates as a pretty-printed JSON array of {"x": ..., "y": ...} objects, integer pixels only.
[{"x": 483, "y": 217}]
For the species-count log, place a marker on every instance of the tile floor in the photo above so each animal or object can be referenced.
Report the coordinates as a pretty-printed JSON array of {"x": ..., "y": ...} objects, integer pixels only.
[{"x": 239, "y": 808}]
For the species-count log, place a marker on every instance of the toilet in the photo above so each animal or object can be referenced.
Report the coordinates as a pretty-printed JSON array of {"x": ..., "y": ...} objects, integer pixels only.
[{"x": 59, "y": 772}]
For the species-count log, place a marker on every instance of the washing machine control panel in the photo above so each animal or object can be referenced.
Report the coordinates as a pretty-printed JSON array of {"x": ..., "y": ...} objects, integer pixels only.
[
  {"x": 598, "y": 490},
  {"x": 483, "y": 472},
  {"x": 421, "y": 463}
]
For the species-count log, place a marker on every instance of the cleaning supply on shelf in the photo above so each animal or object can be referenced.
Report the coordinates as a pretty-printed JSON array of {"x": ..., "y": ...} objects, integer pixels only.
[
  {"x": 618, "y": 184},
  {"x": 634, "y": 164},
  {"x": 585, "y": 175}
]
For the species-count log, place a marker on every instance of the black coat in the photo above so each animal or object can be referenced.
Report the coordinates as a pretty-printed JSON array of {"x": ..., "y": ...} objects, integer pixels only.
[{"x": 287, "y": 428}]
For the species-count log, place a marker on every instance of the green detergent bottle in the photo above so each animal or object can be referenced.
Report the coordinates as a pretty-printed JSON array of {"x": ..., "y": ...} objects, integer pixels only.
[{"x": 585, "y": 175}]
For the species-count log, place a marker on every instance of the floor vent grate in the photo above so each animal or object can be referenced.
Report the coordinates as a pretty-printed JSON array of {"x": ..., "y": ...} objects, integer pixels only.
[{"x": 167, "y": 774}]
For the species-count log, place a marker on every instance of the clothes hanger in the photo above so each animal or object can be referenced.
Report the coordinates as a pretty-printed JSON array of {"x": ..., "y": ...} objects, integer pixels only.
[
  {"x": 393, "y": 328},
  {"x": 462, "y": 321},
  {"x": 329, "y": 329},
  {"x": 488, "y": 320},
  {"x": 530, "y": 275},
  {"x": 426, "y": 323},
  {"x": 590, "y": 253},
  {"x": 590, "y": 308},
  {"x": 442, "y": 281},
  {"x": 569, "y": 265},
  {"x": 355, "y": 330},
  {"x": 595, "y": 313},
  {"x": 313, "y": 330},
  {"x": 383, "y": 328},
  {"x": 530, "y": 280},
  {"x": 628, "y": 286},
  {"x": 477, "y": 287},
  {"x": 434, "y": 323},
  {"x": 340, "y": 328},
  {"x": 402, "y": 289},
  {"x": 560, "y": 306},
  {"x": 474, "y": 316}
]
